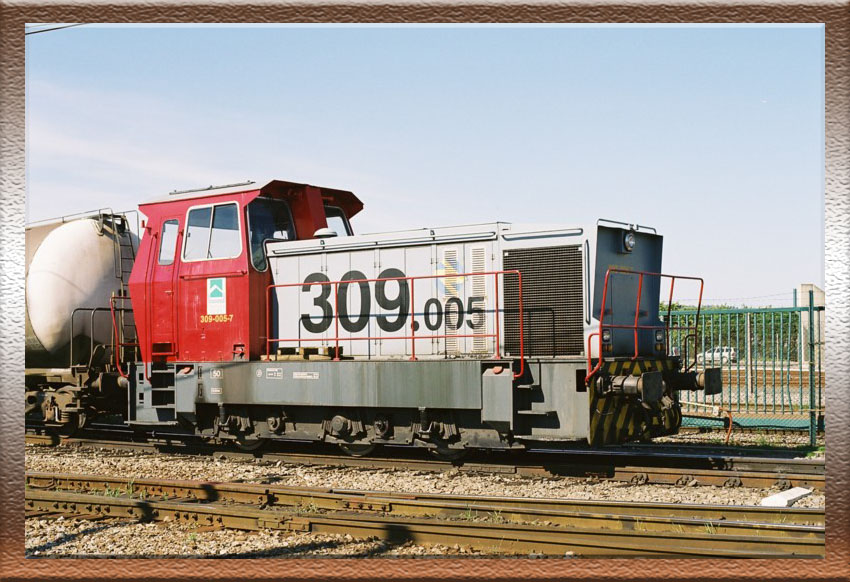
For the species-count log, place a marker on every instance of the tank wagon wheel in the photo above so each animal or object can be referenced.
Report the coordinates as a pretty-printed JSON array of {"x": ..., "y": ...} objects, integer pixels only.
[
  {"x": 249, "y": 445},
  {"x": 66, "y": 430},
  {"x": 353, "y": 450}
]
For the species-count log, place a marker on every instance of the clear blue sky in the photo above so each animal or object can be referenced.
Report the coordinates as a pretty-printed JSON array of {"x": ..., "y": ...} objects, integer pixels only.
[{"x": 712, "y": 134}]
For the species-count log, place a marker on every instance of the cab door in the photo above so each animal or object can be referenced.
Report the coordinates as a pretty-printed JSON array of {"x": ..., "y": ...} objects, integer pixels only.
[
  {"x": 212, "y": 293},
  {"x": 163, "y": 282}
]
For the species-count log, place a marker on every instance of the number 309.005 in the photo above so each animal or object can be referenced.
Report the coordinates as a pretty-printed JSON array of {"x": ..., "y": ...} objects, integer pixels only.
[{"x": 434, "y": 311}]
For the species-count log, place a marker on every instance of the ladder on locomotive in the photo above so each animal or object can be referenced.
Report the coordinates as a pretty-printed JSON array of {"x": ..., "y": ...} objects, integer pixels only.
[{"x": 125, "y": 256}]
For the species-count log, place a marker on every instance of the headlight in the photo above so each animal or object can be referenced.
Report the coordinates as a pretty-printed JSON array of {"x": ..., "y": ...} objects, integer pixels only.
[
  {"x": 659, "y": 335},
  {"x": 606, "y": 335},
  {"x": 629, "y": 241}
]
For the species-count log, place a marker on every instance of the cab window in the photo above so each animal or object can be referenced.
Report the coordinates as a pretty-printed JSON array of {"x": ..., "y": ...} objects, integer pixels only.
[
  {"x": 168, "y": 243},
  {"x": 337, "y": 221},
  {"x": 268, "y": 220},
  {"x": 212, "y": 232}
]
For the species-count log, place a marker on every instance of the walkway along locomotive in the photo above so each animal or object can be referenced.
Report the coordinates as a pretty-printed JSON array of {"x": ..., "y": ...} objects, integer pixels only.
[{"x": 253, "y": 312}]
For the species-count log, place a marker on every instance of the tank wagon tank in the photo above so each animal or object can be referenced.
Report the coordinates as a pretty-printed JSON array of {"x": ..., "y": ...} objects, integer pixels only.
[
  {"x": 74, "y": 266},
  {"x": 259, "y": 314}
]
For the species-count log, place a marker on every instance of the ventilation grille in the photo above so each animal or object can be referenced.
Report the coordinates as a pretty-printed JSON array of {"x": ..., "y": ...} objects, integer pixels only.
[{"x": 552, "y": 301}]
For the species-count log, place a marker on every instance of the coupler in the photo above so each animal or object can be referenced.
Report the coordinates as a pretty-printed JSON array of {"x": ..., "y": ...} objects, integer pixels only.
[
  {"x": 649, "y": 386},
  {"x": 710, "y": 380}
]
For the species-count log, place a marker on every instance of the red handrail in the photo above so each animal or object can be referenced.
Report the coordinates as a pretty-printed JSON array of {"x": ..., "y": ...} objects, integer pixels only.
[
  {"x": 667, "y": 327},
  {"x": 412, "y": 336}
]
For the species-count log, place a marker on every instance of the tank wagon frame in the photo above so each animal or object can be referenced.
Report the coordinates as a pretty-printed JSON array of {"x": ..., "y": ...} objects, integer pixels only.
[{"x": 260, "y": 315}]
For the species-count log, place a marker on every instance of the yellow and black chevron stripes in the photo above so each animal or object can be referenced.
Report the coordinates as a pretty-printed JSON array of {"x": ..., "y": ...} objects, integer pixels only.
[
  {"x": 613, "y": 419},
  {"x": 616, "y": 419}
]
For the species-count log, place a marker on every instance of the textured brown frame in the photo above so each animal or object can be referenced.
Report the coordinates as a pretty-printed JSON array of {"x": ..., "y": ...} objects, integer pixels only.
[{"x": 13, "y": 15}]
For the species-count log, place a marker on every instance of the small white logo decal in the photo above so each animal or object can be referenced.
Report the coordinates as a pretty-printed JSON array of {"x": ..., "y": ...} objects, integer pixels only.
[{"x": 216, "y": 296}]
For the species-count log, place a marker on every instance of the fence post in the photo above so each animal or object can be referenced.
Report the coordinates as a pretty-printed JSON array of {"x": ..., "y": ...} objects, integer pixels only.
[
  {"x": 812, "y": 414},
  {"x": 749, "y": 370}
]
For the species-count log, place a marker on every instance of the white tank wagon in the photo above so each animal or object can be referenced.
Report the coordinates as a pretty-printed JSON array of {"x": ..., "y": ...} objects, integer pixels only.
[{"x": 74, "y": 267}]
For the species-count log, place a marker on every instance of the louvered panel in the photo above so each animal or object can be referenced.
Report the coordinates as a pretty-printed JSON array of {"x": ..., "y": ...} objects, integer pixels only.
[
  {"x": 451, "y": 287},
  {"x": 552, "y": 301},
  {"x": 479, "y": 289}
]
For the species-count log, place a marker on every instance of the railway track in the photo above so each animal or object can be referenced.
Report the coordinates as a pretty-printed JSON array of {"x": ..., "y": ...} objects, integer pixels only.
[
  {"x": 492, "y": 524},
  {"x": 681, "y": 466}
]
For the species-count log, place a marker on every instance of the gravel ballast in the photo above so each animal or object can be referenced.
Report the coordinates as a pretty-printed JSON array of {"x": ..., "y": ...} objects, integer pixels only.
[
  {"x": 746, "y": 439},
  {"x": 74, "y": 538}
]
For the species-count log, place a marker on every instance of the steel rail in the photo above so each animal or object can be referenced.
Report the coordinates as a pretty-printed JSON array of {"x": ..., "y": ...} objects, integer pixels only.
[
  {"x": 679, "y": 469},
  {"x": 657, "y": 468},
  {"x": 652, "y": 515},
  {"x": 506, "y": 538}
]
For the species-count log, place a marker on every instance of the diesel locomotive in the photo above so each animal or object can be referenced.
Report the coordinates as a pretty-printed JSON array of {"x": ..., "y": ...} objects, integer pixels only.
[{"x": 253, "y": 312}]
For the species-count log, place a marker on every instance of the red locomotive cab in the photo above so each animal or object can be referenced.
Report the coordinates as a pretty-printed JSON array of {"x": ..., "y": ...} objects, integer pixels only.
[{"x": 199, "y": 281}]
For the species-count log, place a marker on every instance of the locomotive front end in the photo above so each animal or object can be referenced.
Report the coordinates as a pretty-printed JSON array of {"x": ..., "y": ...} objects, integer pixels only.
[{"x": 632, "y": 379}]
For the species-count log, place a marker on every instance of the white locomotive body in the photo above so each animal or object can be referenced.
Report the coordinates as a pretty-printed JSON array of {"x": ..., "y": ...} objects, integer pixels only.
[{"x": 451, "y": 292}]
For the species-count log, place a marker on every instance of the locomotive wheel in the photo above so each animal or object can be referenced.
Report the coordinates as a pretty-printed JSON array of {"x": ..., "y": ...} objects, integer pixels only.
[
  {"x": 357, "y": 450},
  {"x": 444, "y": 453},
  {"x": 249, "y": 445}
]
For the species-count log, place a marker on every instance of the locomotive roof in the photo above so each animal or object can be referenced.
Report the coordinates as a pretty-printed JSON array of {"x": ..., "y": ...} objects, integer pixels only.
[{"x": 347, "y": 200}]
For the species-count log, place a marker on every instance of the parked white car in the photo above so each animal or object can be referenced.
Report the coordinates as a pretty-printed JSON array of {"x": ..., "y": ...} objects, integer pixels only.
[{"x": 718, "y": 356}]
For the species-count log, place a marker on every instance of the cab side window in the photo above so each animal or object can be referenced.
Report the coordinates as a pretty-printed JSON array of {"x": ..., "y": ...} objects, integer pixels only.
[
  {"x": 224, "y": 238},
  {"x": 268, "y": 220},
  {"x": 197, "y": 234},
  {"x": 168, "y": 242},
  {"x": 212, "y": 232},
  {"x": 337, "y": 221}
]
